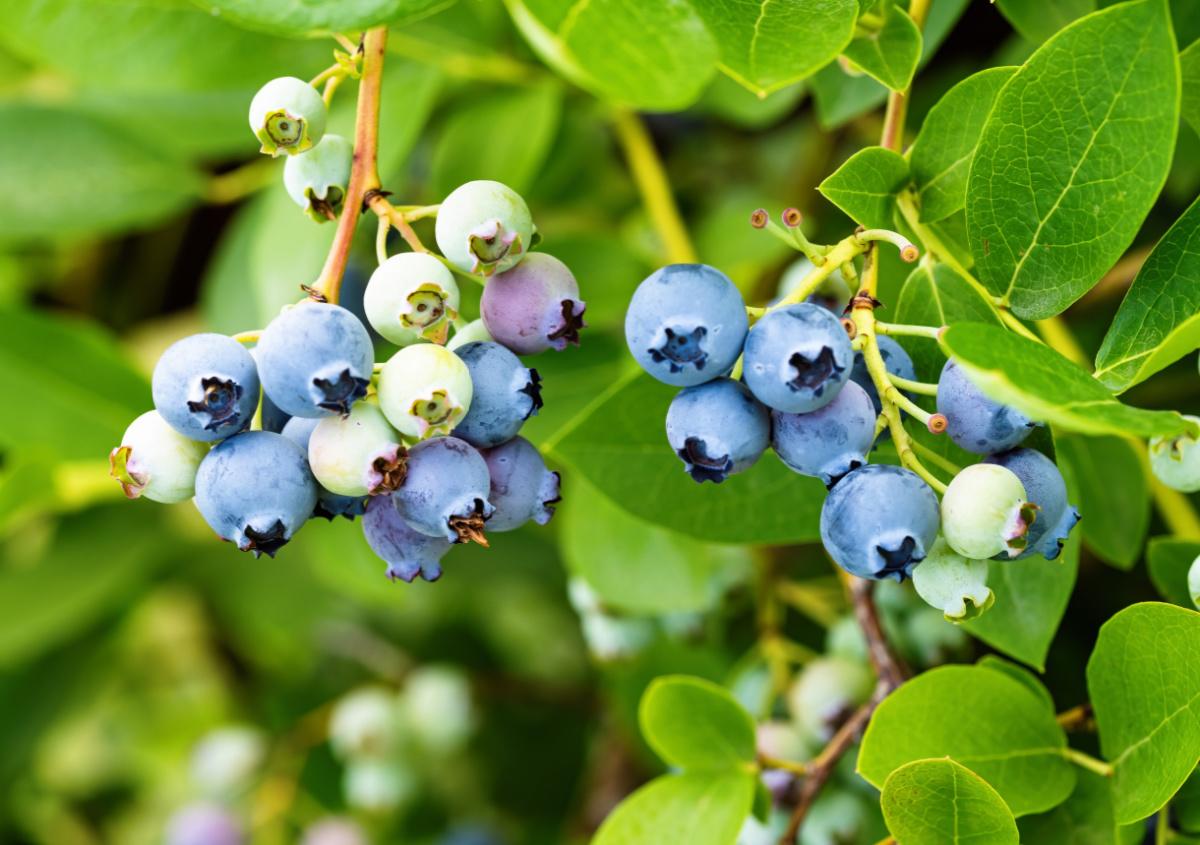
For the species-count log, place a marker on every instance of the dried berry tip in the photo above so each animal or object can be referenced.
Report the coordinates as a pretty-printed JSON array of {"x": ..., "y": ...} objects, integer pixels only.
[
  {"x": 909, "y": 253},
  {"x": 937, "y": 423},
  {"x": 758, "y": 218},
  {"x": 792, "y": 217}
]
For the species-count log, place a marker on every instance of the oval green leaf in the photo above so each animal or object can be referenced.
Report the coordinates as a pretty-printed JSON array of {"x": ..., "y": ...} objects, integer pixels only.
[
  {"x": 699, "y": 808},
  {"x": 934, "y": 294},
  {"x": 1189, "y": 63},
  {"x": 865, "y": 186},
  {"x": 889, "y": 55},
  {"x": 1113, "y": 491},
  {"x": 1038, "y": 20},
  {"x": 287, "y": 17},
  {"x": 693, "y": 724},
  {"x": 1169, "y": 559},
  {"x": 939, "y": 802}
]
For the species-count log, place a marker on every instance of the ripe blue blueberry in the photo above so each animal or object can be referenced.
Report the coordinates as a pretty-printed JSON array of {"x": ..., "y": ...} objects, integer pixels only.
[
  {"x": 256, "y": 490},
  {"x": 896, "y": 360},
  {"x": 315, "y": 360},
  {"x": 797, "y": 358},
  {"x": 156, "y": 461},
  {"x": 483, "y": 227},
  {"x": 686, "y": 324},
  {"x": 206, "y": 386},
  {"x": 717, "y": 429},
  {"x": 406, "y": 551},
  {"x": 204, "y": 824},
  {"x": 533, "y": 307},
  {"x": 879, "y": 522},
  {"x": 975, "y": 422},
  {"x": 287, "y": 115},
  {"x": 316, "y": 180},
  {"x": 1175, "y": 461},
  {"x": 506, "y": 393},
  {"x": 986, "y": 512},
  {"x": 1044, "y": 487},
  {"x": 446, "y": 491},
  {"x": 522, "y": 489},
  {"x": 829, "y": 442},
  {"x": 329, "y": 504}
]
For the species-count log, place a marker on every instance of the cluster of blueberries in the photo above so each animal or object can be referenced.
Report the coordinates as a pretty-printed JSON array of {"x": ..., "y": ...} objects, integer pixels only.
[
  {"x": 805, "y": 392},
  {"x": 425, "y": 447}
]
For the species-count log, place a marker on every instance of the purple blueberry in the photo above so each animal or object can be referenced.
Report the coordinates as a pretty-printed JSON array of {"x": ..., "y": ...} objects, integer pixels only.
[
  {"x": 533, "y": 307},
  {"x": 522, "y": 488},
  {"x": 256, "y": 490},
  {"x": 1044, "y": 487},
  {"x": 686, "y": 324},
  {"x": 315, "y": 360},
  {"x": 717, "y": 429},
  {"x": 973, "y": 421},
  {"x": 880, "y": 521},
  {"x": 206, "y": 386},
  {"x": 506, "y": 393},
  {"x": 406, "y": 551},
  {"x": 204, "y": 824},
  {"x": 829, "y": 442},
  {"x": 797, "y": 358},
  {"x": 896, "y": 360},
  {"x": 446, "y": 491},
  {"x": 299, "y": 430}
]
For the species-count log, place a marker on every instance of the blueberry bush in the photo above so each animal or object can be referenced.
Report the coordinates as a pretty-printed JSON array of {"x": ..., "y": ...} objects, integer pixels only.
[{"x": 476, "y": 339}]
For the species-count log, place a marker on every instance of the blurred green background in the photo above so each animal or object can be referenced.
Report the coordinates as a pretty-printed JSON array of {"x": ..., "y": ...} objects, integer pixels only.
[{"x": 135, "y": 211}]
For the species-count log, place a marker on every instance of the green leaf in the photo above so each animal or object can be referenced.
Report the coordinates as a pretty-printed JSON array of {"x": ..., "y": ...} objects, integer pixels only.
[
  {"x": 935, "y": 295},
  {"x": 1169, "y": 560},
  {"x": 981, "y": 718},
  {"x": 866, "y": 184},
  {"x": 939, "y": 802},
  {"x": 1144, "y": 680},
  {"x": 505, "y": 136},
  {"x": 758, "y": 38},
  {"x": 699, "y": 808},
  {"x": 891, "y": 54},
  {"x": 732, "y": 103},
  {"x": 693, "y": 724},
  {"x": 618, "y": 445},
  {"x": 941, "y": 155},
  {"x": 638, "y": 567},
  {"x": 287, "y": 17},
  {"x": 1020, "y": 673},
  {"x": 73, "y": 175},
  {"x": 1086, "y": 818},
  {"x": 1069, "y": 163},
  {"x": 1159, "y": 319},
  {"x": 1189, "y": 64},
  {"x": 1047, "y": 387},
  {"x": 1039, "y": 20},
  {"x": 656, "y": 56},
  {"x": 1114, "y": 493}
]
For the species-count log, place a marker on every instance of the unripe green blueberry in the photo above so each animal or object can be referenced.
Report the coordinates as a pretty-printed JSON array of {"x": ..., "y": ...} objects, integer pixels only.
[
  {"x": 437, "y": 709},
  {"x": 845, "y": 637},
  {"x": 1194, "y": 582},
  {"x": 410, "y": 297},
  {"x": 985, "y": 512},
  {"x": 316, "y": 180},
  {"x": 473, "y": 332},
  {"x": 927, "y": 639},
  {"x": 826, "y": 693},
  {"x": 377, "y": 786},
  {"x": 425, "y": 390},
  {"x": 1176, "y": 460},
  {"x": 836, "y": 817},
  {"x": 952, "y": 583},
  {"x": 365, "y": 723},
  {"x": 156, "y": 461},
  {"x": 611, "y": 638},
  {"x": 225, "y": 760},
  {"x": 359, "y": 454},
  {"x": 287, "y": 115},
  {"x": 483, "y": 227}
]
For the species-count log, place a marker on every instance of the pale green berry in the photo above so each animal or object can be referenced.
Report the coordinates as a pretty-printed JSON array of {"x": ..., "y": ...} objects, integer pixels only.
[
  {"x": 985, "y": 512},
  {"x": 782, "y": 740},
  {"x": 473, "y": 332},
  {"x": 611, "y": 638},
  {"x": 316, "y": 180},
  {"x": 287, "y": 115},
  {"x": 377, "y": 786},
  {"x": 836, "y": 817},
  {"x": 483, "y": 227},
  {"x": 156, "y": 461},
  {"x": 826, "y": 693},
  {"x": 365, "y": 723},
  {"x": 425, "y": 390},
  {"x": 927, "y": 639},
  {"x": 953, "y": 584},
  {"x": 845, "y": 637},
  {"x": 410, "y": 297},
  {"x": 1194, "y": 582},
  {"x": 437, "y": 709},
  {"x": 225, "y": 760},
  {"x": 359, "y": 454},
  {"x": 1176, "y": 460}
]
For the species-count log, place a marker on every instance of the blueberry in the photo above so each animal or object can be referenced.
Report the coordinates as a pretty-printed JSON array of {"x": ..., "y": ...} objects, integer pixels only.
[
  {"x": 446, "y": 492},
  {"x": 365, "y": 724},
  {"x": 839, "y": 816},
  {"x": 955, "y": 585},
  {"x": 256, "y": 490},
  {"x": 206, "y": 386},
  {"x": 1044, "y": 487},
  {"x": 895, "y": 359},
  {"x": 358, "y": 454},
  {"x": 534, "y": 307},
  {"x": 506, "y": 393},
  {"x": 797, "y": 358},
  {"x": 437, "y": 708},
  {"x": 522, "y": 489},
  {"x": 975, "y": 422},
  {"x": 717, "y": 429},
  {"x": 425, "y": 390},
  {"x": 833, "y": 294},
  {"x": 985, "y": 512},
  {"x": 829, "y": 442},
  {"x": 287, "y": 115},
  {"x": 226, "y": 760},
  {"x": 156, "y": 461},
  {"x": 1175, "y": 461},
  {"x": 411, "y": 297},
  {"x": 334, "y": 831},
  {"x": 315, "y": 360},
  {"x": 879, "y": 522},
  {"x": 378, "y": 786},
  {"x": 406, "y": 551},
  {"x": 483, "y": 227},
  {"x": 825, "y": 694},
  {"x": 316, "y": 181},
  {"x": 204, "y": 824},
  {"x": 299, "y": 430},
  {"x": 1193, "y": 582},
  {"x": 686, "y": 324}
]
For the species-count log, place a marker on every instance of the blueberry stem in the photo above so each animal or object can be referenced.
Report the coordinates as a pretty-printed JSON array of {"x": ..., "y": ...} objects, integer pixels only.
[
  {"x": 381, "y": 233},
  {"x": 346, "y": 43},
  {"x": 768, "y": 762},
  {"x": 908, "y": 251},
  {"x": 251, "y": 336},
  {"x": 1080, "y": 717},
  {"x": 397, "y": 219},
  {"x": 922, "y": 387},
  {"x": 905, "y": 330},
  {"x": 937, "y": 460}
]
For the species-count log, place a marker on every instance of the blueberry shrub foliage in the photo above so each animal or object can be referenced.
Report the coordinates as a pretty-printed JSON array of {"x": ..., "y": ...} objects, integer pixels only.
[{"x": 942, "y": 259}]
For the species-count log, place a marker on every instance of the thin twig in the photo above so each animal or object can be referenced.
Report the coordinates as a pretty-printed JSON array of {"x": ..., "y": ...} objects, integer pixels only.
[
  {"x": 889, "y": 668},
  {"x": 1080, "y": 718}
]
